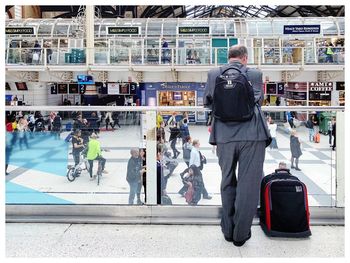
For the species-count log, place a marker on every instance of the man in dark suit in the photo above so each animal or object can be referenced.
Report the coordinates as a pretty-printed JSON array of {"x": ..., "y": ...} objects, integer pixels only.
[{"x": 241, "y": 143}]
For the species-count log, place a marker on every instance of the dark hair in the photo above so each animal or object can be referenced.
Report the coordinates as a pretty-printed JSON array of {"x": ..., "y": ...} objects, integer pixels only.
[
  {"x": 195, "y": 169},
  {"x": 237, "y": 51}
]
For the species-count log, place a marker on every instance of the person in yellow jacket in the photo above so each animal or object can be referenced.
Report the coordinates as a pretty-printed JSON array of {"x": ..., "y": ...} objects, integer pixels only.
[
  {"x": 94, "y": 153},
  {"x": 329, "y": 53},
  {"x": 159, "y": 119}
]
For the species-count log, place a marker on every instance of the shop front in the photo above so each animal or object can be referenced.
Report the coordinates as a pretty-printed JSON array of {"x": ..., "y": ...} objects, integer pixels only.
[
  {"x": 320, "y": 93},
  {"x": 296, "y": 95},
  {"x": 176, "y": 94}
]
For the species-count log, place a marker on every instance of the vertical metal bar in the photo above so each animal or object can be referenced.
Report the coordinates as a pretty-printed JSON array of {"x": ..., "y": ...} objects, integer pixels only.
[
  {"x": 151, "y": 161},
  {"x": 340, "y": 160}
]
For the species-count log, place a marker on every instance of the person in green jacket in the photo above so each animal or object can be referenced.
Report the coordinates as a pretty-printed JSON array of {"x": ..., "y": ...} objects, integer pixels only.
[{"x": 94, "y": 153}]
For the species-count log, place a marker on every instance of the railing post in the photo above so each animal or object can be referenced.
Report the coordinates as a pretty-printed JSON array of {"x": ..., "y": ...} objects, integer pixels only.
[
  {"x": 45, "y": 57},
  {"x": 151, "y": 160},
  {"x": 259, "y": 57},
  {"x": 216, "y": 56},
  {"x": 302, "y": 57},
  {"x": 340, "y": 160},
  {"x": 129, "y": 49},
  {"x": 172, "y": 57}
]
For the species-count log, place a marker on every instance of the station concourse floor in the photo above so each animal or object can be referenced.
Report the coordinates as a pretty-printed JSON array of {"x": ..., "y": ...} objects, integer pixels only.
[
  {"x": 44, "y": 177},
  {"x": 38, "y": 240}
]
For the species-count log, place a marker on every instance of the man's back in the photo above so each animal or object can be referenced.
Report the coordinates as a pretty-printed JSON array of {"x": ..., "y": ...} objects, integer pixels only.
[{"x": 252, "y": 130}]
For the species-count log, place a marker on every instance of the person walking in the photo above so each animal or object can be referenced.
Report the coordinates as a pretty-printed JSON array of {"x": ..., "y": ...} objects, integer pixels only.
[
  {"x": 295, "y": 148},
  {"x": 334, "y": 133},
  {"x": 273, "y": 131},
  {"x": 310, "y": 126},
  {"x": 134, "y": 173},
  {"x": 239, "y": 143}
]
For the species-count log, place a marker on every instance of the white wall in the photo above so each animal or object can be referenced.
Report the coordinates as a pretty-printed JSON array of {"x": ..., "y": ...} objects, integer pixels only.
[{"x": 35, "y": 95}]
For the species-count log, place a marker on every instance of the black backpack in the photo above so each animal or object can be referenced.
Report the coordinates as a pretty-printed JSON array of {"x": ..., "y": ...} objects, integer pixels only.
[{"x": 233, "y": 98}]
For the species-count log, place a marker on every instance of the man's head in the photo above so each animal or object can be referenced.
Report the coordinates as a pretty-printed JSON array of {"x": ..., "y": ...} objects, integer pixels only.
[
  {"x": 238, "y": 53},
  {"x": 134, "y": 152},
  {"x": 282, "y": 165},
  {"x": 93, "y": 136}
]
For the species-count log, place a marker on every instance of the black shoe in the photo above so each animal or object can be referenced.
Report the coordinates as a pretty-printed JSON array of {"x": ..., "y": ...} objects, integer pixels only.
[
  {"x": 241, "y": 243},
  {"x": 207, "y": 197},
  {"x": 297, "y": 168}
]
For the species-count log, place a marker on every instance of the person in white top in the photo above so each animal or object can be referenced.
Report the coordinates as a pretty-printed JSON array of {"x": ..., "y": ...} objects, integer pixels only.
[
  {"x": 195, "y": 159},
  {"x": 273, "y": 131},
  {"x": 195, "y": 156}
]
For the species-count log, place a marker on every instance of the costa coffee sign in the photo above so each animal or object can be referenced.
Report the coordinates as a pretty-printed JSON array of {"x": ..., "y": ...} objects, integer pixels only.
[{"x": 321, "y": 86}]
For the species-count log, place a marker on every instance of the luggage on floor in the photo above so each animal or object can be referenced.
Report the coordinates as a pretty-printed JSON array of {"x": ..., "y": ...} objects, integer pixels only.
[
  {"x": 317, "y": 138},
  {"x": 69, "y": 126},
  {"x": 284, "y": 210}
]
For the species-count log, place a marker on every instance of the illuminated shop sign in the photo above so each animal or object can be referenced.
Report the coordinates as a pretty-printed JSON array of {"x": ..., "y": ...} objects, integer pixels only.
[
  {"x": 194, "y": 30},
  {"x": 19, "y": 30},
  {"x": 132, "y": 30},
  {"x": 321, "y": 86},
  {"x": 301, "y": 29}
]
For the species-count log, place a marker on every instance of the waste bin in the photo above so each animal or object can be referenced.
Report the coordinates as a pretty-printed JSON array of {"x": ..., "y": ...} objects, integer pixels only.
[{"x": 325, "y": 117}]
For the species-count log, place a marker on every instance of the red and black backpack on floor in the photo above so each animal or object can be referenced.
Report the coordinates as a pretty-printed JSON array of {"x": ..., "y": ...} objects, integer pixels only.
[{"x": 284, "y": 209}]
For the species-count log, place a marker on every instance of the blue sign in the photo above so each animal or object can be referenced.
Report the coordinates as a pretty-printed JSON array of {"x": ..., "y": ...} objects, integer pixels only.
[{"x": 302, "y": 29}]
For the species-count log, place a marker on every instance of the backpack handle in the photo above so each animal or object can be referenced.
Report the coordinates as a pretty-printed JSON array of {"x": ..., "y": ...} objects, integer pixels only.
[
  {"x": 230, "y": 67},
  {"x": 282, "y": 170}
]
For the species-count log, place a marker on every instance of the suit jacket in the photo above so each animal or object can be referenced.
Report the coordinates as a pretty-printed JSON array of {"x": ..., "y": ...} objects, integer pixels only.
[{"x": 253, "y": 130}]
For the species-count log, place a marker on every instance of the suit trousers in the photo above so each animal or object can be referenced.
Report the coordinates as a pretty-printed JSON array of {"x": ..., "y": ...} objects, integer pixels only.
[{"x": 240, "y": 192}]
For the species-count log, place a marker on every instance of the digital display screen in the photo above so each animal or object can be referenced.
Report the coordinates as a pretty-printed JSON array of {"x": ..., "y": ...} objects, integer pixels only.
[
  {"x": 124, "y": 88},
  {"x": 53, "y": 88},
  {"x": 62, "y": 88},
  {"x": 73, "y": 88},
  {"x": 85, "y": 79},
  {"x": 21, "y": 86},
  {"x": 271, "y": 88}
]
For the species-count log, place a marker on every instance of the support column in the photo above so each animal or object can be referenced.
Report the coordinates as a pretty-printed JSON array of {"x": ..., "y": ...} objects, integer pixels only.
[
  {"x": 89, "y": 30},
  {"x": 151, "y": 160},
  {"x": 340, "y": 160}
]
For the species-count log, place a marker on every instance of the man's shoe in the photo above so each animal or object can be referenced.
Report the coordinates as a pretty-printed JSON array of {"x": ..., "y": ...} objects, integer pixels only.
[
  {"x": 297, "y": 168},
  {"x": 292, "y": 167},
  {"x": 207, "y": 197},
  {"x": 105, "y": 172},
  {"x": 241, "y": 243}
]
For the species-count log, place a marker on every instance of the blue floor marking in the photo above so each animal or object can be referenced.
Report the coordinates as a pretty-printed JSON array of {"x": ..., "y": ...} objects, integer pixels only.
[
  {"x": 17, "y": 194},
  {"x": 45, "y": 153}
]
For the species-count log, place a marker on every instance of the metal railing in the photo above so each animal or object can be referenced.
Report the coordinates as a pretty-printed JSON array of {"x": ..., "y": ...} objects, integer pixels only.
[{"x": 284, "y": 55}]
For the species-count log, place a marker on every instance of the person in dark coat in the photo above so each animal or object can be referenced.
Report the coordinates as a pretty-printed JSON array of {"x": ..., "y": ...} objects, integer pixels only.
[
  {"x": 241, "y": 152},
  {"x": 334, "y": 133},
  {"x": 194, "y": 180},
  {"x": 295, "y": 148},
  {"x": 134, "y": 173}
]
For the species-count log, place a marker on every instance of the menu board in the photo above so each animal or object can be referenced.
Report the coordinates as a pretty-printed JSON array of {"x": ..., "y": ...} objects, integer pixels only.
[{"x": 62, "y": 88}]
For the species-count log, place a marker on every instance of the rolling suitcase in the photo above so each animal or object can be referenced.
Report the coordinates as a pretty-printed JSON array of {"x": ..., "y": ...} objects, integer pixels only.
[
  {"x": 284, "y": 209},
  {"x": 317, "y": 138}
]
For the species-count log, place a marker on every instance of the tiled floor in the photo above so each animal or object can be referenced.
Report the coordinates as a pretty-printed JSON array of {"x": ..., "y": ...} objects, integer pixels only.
[
  {"x": 48, "y": 184},
  {"x": 173, "y": 241}
]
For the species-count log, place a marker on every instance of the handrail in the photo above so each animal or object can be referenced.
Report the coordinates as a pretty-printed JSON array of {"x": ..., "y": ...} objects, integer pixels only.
[{"x": 163, "y": 108}]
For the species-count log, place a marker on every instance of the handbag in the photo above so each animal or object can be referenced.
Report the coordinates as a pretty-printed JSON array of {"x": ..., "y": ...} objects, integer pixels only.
[{"x": 189, "y": 194}]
